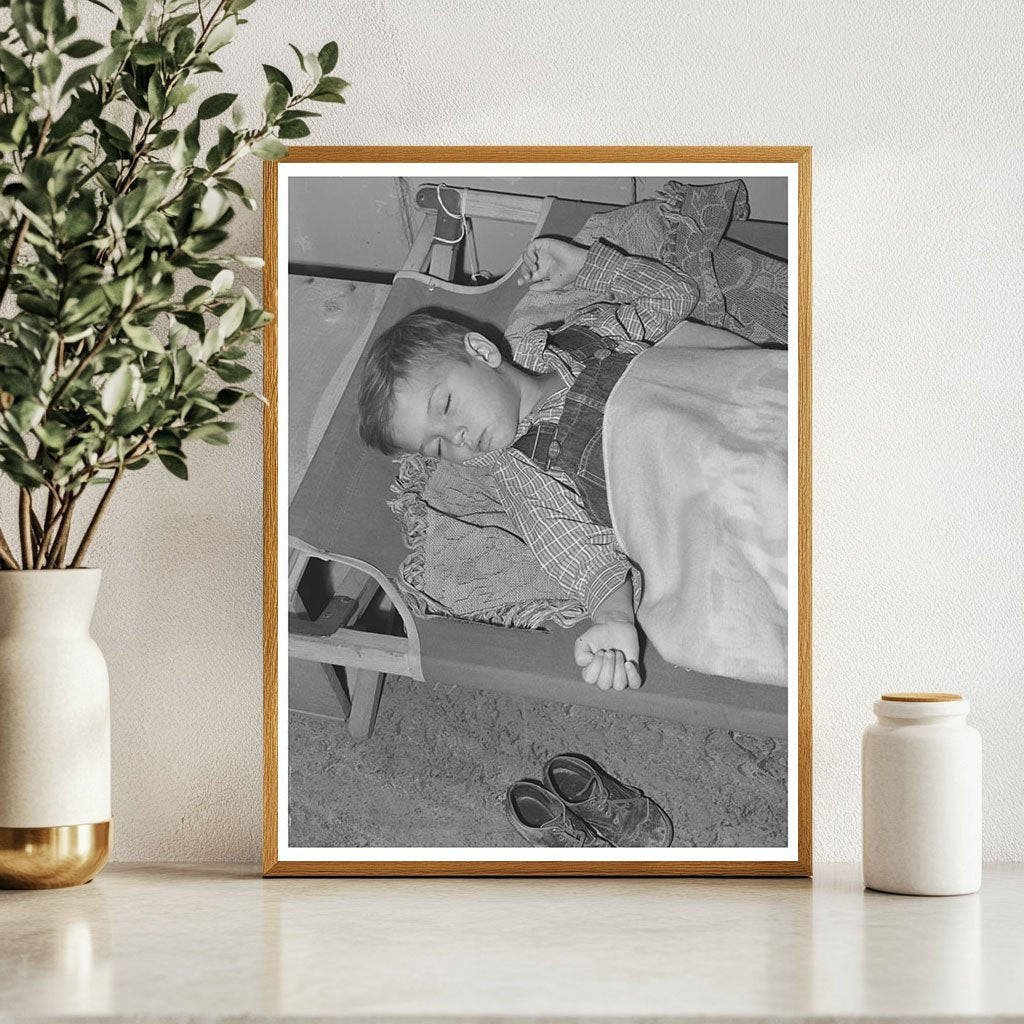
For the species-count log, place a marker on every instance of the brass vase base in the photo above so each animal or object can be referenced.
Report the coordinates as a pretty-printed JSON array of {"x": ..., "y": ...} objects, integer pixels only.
[{"x": 54, "y": 857}]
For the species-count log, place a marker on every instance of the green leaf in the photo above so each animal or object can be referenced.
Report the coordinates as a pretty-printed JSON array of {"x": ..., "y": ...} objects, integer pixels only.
[
  {"x": 156, "y": 100},
  {"x": 324, "y": 96},
  {"x": 167, "y": 441},
  {"x": 221, "y": 35},
  {"x": 211, "y": 433},
  {"x": 193, "y": 321},
  {"x": 143, "y": 338},
  {"x": 232, "y": 373},
  {"x": 133, "y": 12},
  {"x": 211, "y": 343},
  {"x": 175, "y": 465},
  {"x": 116, "y": 390},
  {"x": 128, "y": 421},
  {"x": 53, "y": 435},
  {"x": 164, "y": 375},
  {"x": 26, "y": 414},
  {"x": 129, "y": 207},
  {"x": 49, "y": 68},
  {"x": 106, "y": 68},
  {"x": 333, "y": 84},
  {"x": 149, "y": 53},
  {"x": 310, "y": 65},
  {"x": 115, "y": 133},
  {"x": 292, "y": 130},
  {"x": 36, "y": 304},
  {"x": 184, "y": 44},
  {"x": 181, "y": 94},
  {"x": 16, "y": 70},
  {"x": 222, "y": 282},
  {"x": 78, "y": 222},
  {"x": 185, "y": 147},
  {"x": 162, "y": 139},
  {"x": 201, "y": 405},
  {"x": 11, "y": 356},
  {"x": 328, "y": 57},
  {"x": 269, "y": 149},
  {"x": 78, "y": 78},
  {"x": 227, "y": 397},
  {"x": 211, "y": 208},
  {"x": 193, "y": 379},
  {"x": 20, "y": 127},
  {"x": 53, "y": 14},
  {"x": 11, "y": 443},
  {"x": 119, "y": 291},
  {"x": 214, "y": 105},
  {"x": 26, "y": 20},
  {"x": 21, "y": 471},
  {"x": 83, "y": 48},
  {"x": 274, "y": 75},
  {"x": 196, "y": 296},
  {"x": 232, "y": 319},
  {"x": 65, "y": 28},
  {"x": 276, "y": 99},
  {"x": 87, "y": 309}
]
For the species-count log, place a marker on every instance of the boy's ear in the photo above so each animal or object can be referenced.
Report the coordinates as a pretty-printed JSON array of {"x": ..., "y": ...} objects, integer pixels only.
[{"x": 483, "y": 349}]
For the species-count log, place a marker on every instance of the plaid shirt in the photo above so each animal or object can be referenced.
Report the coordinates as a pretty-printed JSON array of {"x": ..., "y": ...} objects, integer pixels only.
[{"x": 648, "y": 300}]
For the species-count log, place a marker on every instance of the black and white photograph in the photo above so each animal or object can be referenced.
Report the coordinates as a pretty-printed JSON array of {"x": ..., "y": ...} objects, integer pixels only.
[{"x": 537, "y": 521}]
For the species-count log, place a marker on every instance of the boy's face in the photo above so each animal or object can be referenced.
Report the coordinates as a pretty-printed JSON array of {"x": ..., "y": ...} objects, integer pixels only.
[{"x": 458, "y": 410}]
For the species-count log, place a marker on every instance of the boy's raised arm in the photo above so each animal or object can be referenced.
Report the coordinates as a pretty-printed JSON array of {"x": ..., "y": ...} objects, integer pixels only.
[{"x": 648, "y": 298}]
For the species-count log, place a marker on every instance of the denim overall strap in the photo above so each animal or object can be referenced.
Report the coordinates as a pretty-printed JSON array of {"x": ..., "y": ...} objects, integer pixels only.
[{"x": 576, "y": 444}]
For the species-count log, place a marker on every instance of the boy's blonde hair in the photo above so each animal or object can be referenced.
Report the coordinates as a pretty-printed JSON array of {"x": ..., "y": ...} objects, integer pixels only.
[{"x": 417, "y": 342}]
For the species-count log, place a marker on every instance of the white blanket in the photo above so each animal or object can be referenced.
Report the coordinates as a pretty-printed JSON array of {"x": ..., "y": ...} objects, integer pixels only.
[{"x": 695, "y": 445}]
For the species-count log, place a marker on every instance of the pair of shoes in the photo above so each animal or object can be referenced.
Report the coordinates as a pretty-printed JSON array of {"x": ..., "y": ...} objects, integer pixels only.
[{"x": 584, "y": 806}]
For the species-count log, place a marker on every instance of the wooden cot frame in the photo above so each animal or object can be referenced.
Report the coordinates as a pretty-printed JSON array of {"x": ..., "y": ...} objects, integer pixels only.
[{"x": 328, "y": 637}]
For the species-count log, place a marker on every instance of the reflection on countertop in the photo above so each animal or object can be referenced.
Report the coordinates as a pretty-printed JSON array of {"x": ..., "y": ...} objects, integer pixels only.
[{"x": 177, "y": 941}]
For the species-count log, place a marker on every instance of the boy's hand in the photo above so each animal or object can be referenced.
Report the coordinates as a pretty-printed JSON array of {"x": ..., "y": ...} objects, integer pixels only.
[
  {"x": 550, "y": 264},
  {"x": 608, "y": 653}
]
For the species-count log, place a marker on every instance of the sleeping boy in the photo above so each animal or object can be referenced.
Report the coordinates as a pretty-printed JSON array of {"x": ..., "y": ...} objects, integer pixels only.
[{"x": 431, "y": 386}]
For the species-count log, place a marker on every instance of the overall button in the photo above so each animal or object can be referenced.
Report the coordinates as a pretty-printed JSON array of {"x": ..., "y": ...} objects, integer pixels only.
[
  {"x": 602, "y": 353},
  {"x": 554, "y": 450}
]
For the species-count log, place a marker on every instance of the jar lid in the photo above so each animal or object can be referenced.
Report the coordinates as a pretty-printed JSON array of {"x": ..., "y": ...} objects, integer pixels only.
[
  {"x": 921, "y": 698},
  {"x": 921, "y": 705}
]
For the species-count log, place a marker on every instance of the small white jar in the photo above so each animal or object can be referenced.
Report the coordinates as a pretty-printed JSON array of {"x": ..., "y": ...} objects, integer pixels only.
[{"x": 921, "y": 779}]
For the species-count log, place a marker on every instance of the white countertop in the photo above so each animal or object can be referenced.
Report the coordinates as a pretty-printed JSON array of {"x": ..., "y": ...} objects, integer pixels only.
[{"x": 178, "y": 941}]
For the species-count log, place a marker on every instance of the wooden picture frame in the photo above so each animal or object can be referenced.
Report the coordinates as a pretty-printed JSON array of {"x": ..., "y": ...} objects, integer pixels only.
[{"x": 368, "y": 653}]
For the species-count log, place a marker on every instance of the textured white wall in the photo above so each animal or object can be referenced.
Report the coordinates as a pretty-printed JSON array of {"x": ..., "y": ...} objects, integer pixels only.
[{"x": 914, "y": 113}]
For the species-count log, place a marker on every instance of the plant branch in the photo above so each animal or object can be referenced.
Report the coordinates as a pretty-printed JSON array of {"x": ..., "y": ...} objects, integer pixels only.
[
  {"x": 54, "y": 507},
  {"x": 22, "y": 229},
  {"x": 96, "y": 517},
  {"x": 25, "y": 521},
  {"x": 37, "y": 527},
  {"x": 6, "y": 554},
  {"x": 56, "y": 555},
  {"x": 87, "y": 356}
]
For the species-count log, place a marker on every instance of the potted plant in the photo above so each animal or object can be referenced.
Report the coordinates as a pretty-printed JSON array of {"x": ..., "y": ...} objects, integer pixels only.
[{"x": 122, "y": 340}]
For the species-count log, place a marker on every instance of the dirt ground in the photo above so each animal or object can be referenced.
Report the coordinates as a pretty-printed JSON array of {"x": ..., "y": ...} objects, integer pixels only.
[{"x": 436, "y": 768}]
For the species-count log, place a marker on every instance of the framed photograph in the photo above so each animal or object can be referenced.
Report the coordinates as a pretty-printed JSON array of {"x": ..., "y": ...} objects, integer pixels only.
[{"x": 538, "y": 511}]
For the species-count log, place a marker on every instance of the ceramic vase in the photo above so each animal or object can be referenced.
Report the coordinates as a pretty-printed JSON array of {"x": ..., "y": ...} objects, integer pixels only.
[{"x": 54, "y": 731}]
